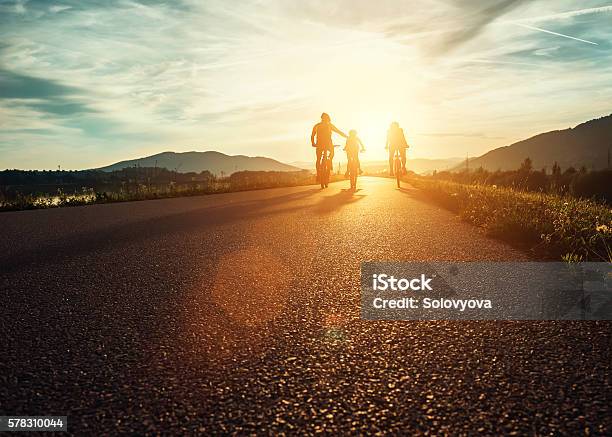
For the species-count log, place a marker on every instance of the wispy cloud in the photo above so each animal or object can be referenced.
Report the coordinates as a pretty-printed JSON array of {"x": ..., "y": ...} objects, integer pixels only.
[
  {"x": 489, "y": 61},
  {"x": 59, "y": 8},
  {"x": 569, "y": 14},
  {"x": 448, "y": 28},
  {"x": 459, "y": 135}
]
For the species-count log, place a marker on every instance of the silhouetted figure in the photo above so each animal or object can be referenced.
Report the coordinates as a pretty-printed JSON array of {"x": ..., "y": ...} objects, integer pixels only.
[
  {"x": 323, "y": 133},
  {"x": 396, "y": 141},
  {"x": 352, "y": 150}
]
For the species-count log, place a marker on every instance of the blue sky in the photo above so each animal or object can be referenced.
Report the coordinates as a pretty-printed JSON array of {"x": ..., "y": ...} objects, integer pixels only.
[{"x": 87, "y": 83}]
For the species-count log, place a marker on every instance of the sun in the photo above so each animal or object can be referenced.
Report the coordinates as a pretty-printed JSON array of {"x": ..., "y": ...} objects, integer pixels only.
[{"x": 372, "y": 129}]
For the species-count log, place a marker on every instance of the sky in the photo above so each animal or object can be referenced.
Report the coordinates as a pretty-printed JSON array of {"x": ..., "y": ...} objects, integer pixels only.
[{"x": 88, "y": 83}]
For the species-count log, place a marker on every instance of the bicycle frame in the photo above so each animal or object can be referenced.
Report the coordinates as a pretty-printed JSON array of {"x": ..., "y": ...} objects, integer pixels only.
[
  {"x": 324, "y": 168},
  {"x": 397, "y": 166}
]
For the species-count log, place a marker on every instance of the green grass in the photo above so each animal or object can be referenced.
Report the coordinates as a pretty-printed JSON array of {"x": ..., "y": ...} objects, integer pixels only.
[
  {"x": 88, "y": 197},
  {"x": 245, "y": 181},
  {"x": 549, "y": 225}
]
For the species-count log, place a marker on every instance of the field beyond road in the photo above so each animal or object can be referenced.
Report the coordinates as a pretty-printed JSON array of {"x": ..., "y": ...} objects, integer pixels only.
[{"x": 239, "y": 312}]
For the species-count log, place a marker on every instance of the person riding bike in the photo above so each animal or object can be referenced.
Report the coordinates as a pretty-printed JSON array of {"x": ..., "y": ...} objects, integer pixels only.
[
  {"x": 323, "y": 133},
  {"x": 396, "y": 141},
  {"x": 352, "y": 150}
]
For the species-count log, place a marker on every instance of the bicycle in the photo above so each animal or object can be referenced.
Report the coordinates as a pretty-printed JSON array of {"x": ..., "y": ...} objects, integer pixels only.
[
  {"x": 397, "y": 166},
  {"x": 324, "y": 168}
]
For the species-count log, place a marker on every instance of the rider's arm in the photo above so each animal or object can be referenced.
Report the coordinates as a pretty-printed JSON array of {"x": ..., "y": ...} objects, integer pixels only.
[
  {"x": 312, "y": 136},
  {"x": 387, "y": 143},
  {"x": 362, "y": 146},
  {"x": 338, "y": 131}
]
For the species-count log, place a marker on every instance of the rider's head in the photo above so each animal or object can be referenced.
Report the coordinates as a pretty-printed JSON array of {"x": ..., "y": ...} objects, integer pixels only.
[
  {"x": 325, "y": 117},
  {"x": 394, "y": 125},
  {"x": 352, "y": 133}
]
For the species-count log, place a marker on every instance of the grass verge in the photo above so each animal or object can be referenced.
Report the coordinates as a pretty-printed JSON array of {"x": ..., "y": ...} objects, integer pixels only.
[
  {"x": 549, "y": 225},
  {"x": 242, "y": 181}
]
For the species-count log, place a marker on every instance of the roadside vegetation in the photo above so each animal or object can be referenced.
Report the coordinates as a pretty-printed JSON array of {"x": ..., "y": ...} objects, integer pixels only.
[
  {"x": 580, "y": 183},
  {"x": 555, "y": 225},
  {"x": 21, "y": 190}
]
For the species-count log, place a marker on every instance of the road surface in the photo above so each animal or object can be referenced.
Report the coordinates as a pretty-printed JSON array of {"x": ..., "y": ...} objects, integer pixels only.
[{"x": 239, "y": 313}]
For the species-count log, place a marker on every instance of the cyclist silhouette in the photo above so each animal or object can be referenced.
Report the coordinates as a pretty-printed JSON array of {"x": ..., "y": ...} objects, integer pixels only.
[
  {"x": 352, "y": 150},
  {"x": 323, "y": 133},
  {"x": 396, "y": 141}
]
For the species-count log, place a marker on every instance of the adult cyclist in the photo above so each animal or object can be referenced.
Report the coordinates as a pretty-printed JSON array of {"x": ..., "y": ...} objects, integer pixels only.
[
  {"x": 321, "y": 138},
  {"x": 396, "y": 141}
]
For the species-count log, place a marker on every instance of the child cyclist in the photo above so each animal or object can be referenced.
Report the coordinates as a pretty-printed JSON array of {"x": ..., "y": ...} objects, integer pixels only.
[{"x": 352, "y": 150}]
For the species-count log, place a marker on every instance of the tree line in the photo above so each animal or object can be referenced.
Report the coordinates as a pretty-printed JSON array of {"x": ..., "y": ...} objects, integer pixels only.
[
  {"x": 136, "y": 182},
  {"x": 575, "y": 182}
]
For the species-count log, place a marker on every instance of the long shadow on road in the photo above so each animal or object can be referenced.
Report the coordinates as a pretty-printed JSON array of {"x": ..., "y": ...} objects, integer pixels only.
[
  {"x": 329, "y": 204},
  {"x": 117, "y": 235}
]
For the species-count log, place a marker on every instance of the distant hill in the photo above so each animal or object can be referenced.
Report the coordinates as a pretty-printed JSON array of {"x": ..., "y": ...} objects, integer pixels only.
[
  {"x": 417, "y": 165},
  {"x": 584, "y": 145},
  {"x": 215, "y": 162}
]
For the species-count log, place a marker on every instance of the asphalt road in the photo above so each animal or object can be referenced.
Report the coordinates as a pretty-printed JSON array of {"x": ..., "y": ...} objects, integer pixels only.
[{"x": 240, "y": 313}]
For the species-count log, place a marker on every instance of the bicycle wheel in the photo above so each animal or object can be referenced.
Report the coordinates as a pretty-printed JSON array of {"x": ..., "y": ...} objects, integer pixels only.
[
  {"x": 398, "y": 171},
  {"x": 324, "y": 173},
  {"x": 353, "y": 174}
]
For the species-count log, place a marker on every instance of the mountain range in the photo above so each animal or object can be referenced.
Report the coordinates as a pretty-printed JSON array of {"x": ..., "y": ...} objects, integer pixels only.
[
  {"x": 417, "y": 165},
  {"x": 587, "y": 144},
  {"x": 215, "y": 162}
]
